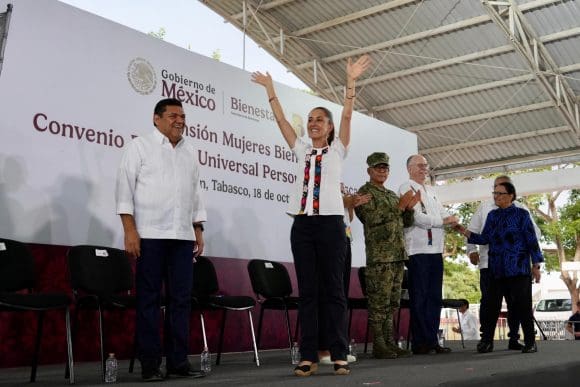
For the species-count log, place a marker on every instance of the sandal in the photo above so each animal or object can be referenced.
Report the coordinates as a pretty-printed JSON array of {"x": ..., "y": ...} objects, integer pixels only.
[
  {"x": 306, "y": 369},
  {"x": 341, "y": 369}
]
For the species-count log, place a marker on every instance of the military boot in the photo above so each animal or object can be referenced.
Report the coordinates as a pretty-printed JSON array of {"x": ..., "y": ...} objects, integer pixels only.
[
  {"x": 380, "y": 348},
  {"x": 390, "y": 343}
]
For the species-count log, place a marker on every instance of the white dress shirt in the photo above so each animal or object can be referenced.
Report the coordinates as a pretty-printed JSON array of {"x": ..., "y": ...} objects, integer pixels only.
[
  {"x": 469, "y": 326},
  {"x": 477, "y": 223},
  {"x": 159, "y": 185},
  {"x": 330, "y": 197},
  {"x": 428, "y": 216}
]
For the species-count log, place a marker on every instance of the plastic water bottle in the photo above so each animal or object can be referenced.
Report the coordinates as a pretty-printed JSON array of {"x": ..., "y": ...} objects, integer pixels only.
[
  {"x": 402, "y": 343},
  {"x": 441, "y": 339},
  {"x": 295, "y": 353},
  {"x": 352, "y": 348},
  {"x": 205, "y": 359},
  {"x": 111, "y": 366}
]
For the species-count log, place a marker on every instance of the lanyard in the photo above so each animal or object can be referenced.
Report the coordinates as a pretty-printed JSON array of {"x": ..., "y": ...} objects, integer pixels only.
[{"x": 424, "y": 211}]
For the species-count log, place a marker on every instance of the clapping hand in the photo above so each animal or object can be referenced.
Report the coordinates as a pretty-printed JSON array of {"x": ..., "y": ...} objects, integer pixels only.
[
  {"x": 359, "y": 200},
  {"x": 409, "y": 200}
]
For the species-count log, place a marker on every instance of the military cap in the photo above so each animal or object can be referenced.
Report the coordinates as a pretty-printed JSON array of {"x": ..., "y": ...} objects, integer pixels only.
[{"x": 377, "y": 158}]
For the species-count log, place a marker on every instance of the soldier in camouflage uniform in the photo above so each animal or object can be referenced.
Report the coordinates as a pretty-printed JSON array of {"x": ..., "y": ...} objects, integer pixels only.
[{"x": 384, "y": 217}]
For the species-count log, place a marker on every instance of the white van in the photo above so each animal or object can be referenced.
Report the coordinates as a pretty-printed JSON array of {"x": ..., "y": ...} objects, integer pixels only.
[{"x": 552, "y": 314}]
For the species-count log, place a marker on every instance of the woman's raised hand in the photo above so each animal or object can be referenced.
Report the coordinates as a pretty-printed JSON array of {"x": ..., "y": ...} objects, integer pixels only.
[
  {"x": 354, "y": 70},
  {"x": 262, "y": 79}
]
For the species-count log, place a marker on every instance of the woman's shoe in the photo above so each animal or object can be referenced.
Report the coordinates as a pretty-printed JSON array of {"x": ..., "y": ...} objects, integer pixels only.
[
  {"x": 306, "y": 369},
  {"x": 326, "y": 359},
  {"x": 341, "y": 369}
]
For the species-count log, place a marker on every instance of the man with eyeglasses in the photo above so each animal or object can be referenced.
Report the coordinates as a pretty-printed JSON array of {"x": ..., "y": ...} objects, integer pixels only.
[
  {"x": 479, "y": 256},
  {"x": 424, "y": 242},
  {"x": 383, "y": 218}
]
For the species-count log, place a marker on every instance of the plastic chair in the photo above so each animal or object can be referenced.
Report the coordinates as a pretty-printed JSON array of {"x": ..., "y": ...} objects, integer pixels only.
[
  {"x": 17, "y": 275},
  {"x": 101, "y": 279},
  {"x": 360, "y": 303},
  {"x": 271, "y": 283},
  {"x": 205, "y": 298}
]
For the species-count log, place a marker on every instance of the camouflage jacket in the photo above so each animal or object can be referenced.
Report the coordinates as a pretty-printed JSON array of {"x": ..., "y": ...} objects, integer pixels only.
[{"x": 383, "y": 225}]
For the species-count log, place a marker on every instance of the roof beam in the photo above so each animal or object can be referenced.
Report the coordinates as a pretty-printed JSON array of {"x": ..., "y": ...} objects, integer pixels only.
[
  {"x": 467, "y": 90},
  {"x": 483, "y": 116},
  {"x": 462, "y": 59},
  {"x": 454, "y": 93},
  {"x": 421, "y": 35},
  {"x": 539, "y": 61},
  {"x": 263, "y": 7},
  {"x": 528, "y": 183},
  {"x": 495, "y": 140},
  {"x": 510, "y": 164},
  {"x": 352, "y": 17}
]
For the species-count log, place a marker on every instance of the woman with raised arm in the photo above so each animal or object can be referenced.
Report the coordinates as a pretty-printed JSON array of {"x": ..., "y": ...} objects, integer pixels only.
[{"x": 317, "y": 237}]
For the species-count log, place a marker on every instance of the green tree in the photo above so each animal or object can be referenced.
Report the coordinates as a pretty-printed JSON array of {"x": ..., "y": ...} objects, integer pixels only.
[
  {"x": 461, "y": 281},
  {"x": 560, "y": 226},
  {"x": 217, "y": 55},
  {"x": 160, "y": 34}
]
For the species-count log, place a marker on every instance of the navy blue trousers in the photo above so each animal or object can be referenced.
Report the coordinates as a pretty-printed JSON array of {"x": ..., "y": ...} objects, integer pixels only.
[
  {"x": 518, "y": 294},
  {"x": 425, "y": 283},
  {"x": 168, "y": 264},
  {"x": 319, "y": 249},
  {"x": 485, "y": 281}
]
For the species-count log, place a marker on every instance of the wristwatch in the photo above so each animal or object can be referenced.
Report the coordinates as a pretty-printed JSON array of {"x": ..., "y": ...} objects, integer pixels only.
[{"x": 198, "y": 225}]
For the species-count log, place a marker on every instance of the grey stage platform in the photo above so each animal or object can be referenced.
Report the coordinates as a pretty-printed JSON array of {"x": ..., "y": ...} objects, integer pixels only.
[{"x": 556, "y": 364}]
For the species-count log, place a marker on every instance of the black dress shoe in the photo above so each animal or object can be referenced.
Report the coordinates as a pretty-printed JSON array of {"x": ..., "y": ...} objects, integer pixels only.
[
  {"x": 530, "y": 348},
  {"x": 153, "y": 375},
  {"x": 185, "y": 371},
  {"x": 515, "y": 345},
  {"x": 440, "y": 349},
  {"x": 422, "y": 350},
  {"x": 484, "y": 347}
]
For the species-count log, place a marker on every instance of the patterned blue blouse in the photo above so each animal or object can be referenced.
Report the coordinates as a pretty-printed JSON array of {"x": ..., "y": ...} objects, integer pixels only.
[{"x": 512, "y": 241}]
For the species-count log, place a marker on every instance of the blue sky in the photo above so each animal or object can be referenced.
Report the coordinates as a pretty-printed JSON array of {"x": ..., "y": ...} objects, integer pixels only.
[{"x": 188, "y": 24}]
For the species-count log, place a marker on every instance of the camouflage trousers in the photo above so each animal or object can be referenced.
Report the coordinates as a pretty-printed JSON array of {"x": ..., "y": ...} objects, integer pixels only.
[{"x": 383, "y": 281}]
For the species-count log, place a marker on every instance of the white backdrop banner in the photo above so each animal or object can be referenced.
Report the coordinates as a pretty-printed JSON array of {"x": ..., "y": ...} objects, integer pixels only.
[{"x": 76, "y": 88}]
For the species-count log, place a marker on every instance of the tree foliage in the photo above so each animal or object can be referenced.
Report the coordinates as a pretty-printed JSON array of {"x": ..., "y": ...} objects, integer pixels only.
[
  {"x": 159, "y": 34},
  {"x": 217, "y": 55},
  {"x": 461, "y": 281}
]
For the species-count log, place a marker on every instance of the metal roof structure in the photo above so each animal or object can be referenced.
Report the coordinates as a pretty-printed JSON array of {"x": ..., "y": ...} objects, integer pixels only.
[{"x": 486, "y": 85}]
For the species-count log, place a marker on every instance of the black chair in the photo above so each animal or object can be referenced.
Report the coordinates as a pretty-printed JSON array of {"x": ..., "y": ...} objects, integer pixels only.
[
  {"x": 101, "y": 279},
  {"x": 404, "y": 304},
  {"x": 360, "y": 303},
  {"x": 17, "y": 275},
  {"x": 273, "y": 288},
  {"x": 452, "y": 303},
  {"x": 205, "y": 298}
]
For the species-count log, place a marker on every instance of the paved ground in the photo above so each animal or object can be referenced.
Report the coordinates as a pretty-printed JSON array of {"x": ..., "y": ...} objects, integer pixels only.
[{"x": 556, "y": 364}]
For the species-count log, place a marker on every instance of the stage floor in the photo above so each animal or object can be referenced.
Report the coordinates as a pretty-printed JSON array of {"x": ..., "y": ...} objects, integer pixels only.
[{"x": 557, "y": 363}]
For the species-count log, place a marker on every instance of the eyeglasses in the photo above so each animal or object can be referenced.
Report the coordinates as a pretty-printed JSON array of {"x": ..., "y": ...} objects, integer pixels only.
[
  {"x": 500, "y": 193},
  {"x": 381, "y": 167},
  {"x": 426, "y": 166}
]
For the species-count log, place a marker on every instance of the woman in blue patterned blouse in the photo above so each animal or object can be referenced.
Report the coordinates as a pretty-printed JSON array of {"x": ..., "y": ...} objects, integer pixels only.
[{"x": 514, "y": 255}]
